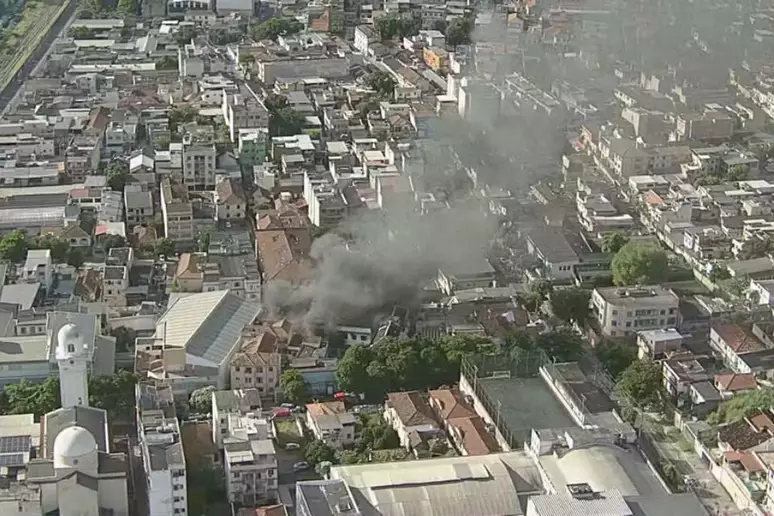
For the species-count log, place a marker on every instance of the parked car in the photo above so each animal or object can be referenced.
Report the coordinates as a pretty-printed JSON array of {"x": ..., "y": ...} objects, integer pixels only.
[
  {"x": 292, "y": 446},
  {"x": 301, "y": 466},
  {"x": 289, "y": 406}
]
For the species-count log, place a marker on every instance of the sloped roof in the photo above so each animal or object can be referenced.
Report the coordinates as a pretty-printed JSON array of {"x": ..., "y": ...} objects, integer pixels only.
[
  {"x": 733, "y": 382},
  {"x": 411, "y": 407},
  {"x": 229, "y": 191},
  {"x": 208, "y": 325}
]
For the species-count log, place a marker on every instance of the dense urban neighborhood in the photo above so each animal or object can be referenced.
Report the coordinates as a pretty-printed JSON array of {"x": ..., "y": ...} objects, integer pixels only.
[{"x": 386, "y": 257}]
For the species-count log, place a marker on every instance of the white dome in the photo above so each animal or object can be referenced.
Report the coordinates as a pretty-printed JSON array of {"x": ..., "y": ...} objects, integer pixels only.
[
  {"x": 73, "y": 445},
  {"x": 69, "y": 335}
]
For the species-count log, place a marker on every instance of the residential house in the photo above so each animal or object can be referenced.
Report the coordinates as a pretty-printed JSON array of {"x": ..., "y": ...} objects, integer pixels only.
[
  {"x": 730, "y": 384},
  {"x": 657, "y": 344},
  {"x": 552, "y": 249},
  {"x": 230, "y": 200},
  {"x": 681, "y": 373},
  {"x": 410, "y": 415},
  {"x": 732, "y": 341},
  {"x": 283, "y": 241},
  {"x": 466, "y": 429},
  {"x": 331, "y": 423}
]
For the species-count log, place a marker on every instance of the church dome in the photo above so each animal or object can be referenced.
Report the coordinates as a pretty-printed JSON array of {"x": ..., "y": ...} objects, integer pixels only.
[
  {"x": 74, "y": 446},
  {"x": 69, "y": 341}
]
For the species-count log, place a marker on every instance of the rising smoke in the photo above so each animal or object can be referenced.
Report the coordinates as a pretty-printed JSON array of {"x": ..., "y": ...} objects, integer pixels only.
[{"x": 386, "y": 259}]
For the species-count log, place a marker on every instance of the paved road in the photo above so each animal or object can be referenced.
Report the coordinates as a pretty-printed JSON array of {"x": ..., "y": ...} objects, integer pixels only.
[{"x": 34, "y": 65}]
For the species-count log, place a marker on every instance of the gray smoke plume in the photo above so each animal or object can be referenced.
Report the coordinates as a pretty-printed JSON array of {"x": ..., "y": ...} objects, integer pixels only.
[{"x": 385, "y": 259}]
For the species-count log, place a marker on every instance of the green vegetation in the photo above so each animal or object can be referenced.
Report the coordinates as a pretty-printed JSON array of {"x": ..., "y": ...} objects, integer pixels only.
[
  {"x": 640, "y": 263},
  {"x": 274, "y": 28},
  {"x": 224, "y": 36},
  {"x": 293, "y": 388},
  {"x": 392, "y": 27},
  {"x": 736, "y": 173},
  {"x": 742, "y": 405},
  {"x": 317, "y": 451},
  {"x": 383, "y": 84},
  {"x": 108, "y": 242},
  {"x": 460, "y": 31},
  {"x": 59, "y": 248},
  {"x": 163, "y": 247},
  {"x": 166, "y": 63},
  {"x": 642, "y": 384},
  {"x": 181, "y": 115},
  {"x": 376, "y": 434},
  {"x": 719, "y": 273},
  {"x": 616, "y": 356},
  {"x": 114, "y": 393},
  {"x": 200, "y": 400},
  {"x": 206, "y": 489},
  {"x": 117, "y": 175},
  {"x": 613, "y": 242},
  {"x": 75, "y": 258},
  {"x": 283, "y": 119},
  {"x": 406, "y": 364},
  {"x": 571, "y": 305},
  {"x": 13, "y": 246},
  {"x": 184, "y": 35},
  {"x": 562, "y": 345},
  {"x": 125, "y": 338}
]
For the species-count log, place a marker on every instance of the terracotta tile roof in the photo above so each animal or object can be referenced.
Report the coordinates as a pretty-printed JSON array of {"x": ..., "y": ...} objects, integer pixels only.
[
  {"x": 285, "y": 217},
  {"x": 748, "y": 461},
  {"x": 283, "y": 254},
  {"x": 229, "y": 191},
  {"x": 450, "y": 404},
  {"x": 736, "y": 382},
  {"x": 88, "y": 285},
  {"x": 746, "y": 433},
  {"x": 189, "y": 266},
  {"x": 328, "y": 408},
  {"x": 739, "y": 338},
  {"x": 411, "y": 408},
  {"x": 475, "y": 438},
  {"x": 271, "y": 510},
  {"x": 257, "y": 350}
]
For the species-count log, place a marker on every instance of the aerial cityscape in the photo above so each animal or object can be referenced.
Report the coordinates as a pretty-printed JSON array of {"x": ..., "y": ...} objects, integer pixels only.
[{"x": 386, "y": 258}]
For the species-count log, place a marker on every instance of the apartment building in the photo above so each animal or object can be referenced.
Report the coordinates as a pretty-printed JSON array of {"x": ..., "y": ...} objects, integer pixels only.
[
  {"x": 258, "y": 364},
  {"x": 235, "y": 401},
  {"x": 138, "y": 203},
  {"x": 199, "y": 272},
  {"x": 161, "y": 449},
  {"x": 199, "y": 162},
  {"x": 624, "y": 311},
  {"x": 325, "y": 202},
  {"x": 177, "y": 213},
  {"x": 230, "y": 200},
  {"x": 249, "y": 457}
]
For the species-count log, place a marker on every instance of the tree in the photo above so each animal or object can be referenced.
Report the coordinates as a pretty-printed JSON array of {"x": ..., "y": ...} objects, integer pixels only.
[
  {"x": 642, "y": 383},
  {"x": 163, "y": 247},
  {"x": 127, "y": 6},
  {"x": 377, "y": 435},
  {"x": 742, "y": 405},
  {"x": 166, "y": 63},
  {"x": 542, "y": 288},
  {"x": 59, "y": 248},
  {"x": 719, "y": 272},
  {"x": 459, "y": 31},
  {"x": 201, "y": 400},
  {"x": 117, "y": 176},
  {"x": 613, "y": 242},
  {"x": 317, "y": 451},
  {"x": 275, "y": 28},
  {"x": 112, "y": 240},
  {"x": 125, "y": 338},
  {"x": 615, "y": 356},
  {"x": 562, "y": 345},
  {"x": 185, "y": 34},
  {"x": 571, "y": 305},
  {"x": 205, "y": 488},
  {"x": 640, "y": 263},
  {"x": 440, "y": 26},
  {"x": 203, "y": 240},
  {"x": 79, "y": 32},
  {"x": 13, "y": 246},
  {"x": 293, "y": 386},
  {"x": 738, "y": 173},
  {"x": 458, "y": 347},
  {"x": 391, "y": 27},
  {"x": 383, "y": 83},
  {"x": 75, "y": 258},
  {"x": 26, "y": 397},
  {"x": 246, "y": 60},
  {"x": 114, "y": 393}
]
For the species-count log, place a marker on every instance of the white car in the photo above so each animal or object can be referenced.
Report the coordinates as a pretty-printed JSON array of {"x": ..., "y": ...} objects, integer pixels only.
[{"x": 292, "y": 446}]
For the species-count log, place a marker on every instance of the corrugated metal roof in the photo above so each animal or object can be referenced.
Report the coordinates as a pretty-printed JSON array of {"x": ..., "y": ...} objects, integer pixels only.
[
  {"x": 609, "y": 503},
  {"x": 208, "y": 325}
]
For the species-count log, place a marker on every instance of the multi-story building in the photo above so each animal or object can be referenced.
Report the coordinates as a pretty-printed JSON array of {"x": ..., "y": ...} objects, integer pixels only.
[
  {"x": 162, "y": 450},
  {"x": 235, "y": 401},
  {"x": 230, "y": 200},
  {"x": 325, "y": 202},
  {"x": 199, "y": 272},
  {"x": 198, "y": 165},
  {"x": 39, "y": 268},
  {"x": 331, "y": 423},
  {"x": 258, "y": 364},
  {"x": 177, "y": 213},
  {"x": 623, "y": 311},
  {"x": 138, "y": 203},
  {"x": 249, "y": 458}
]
